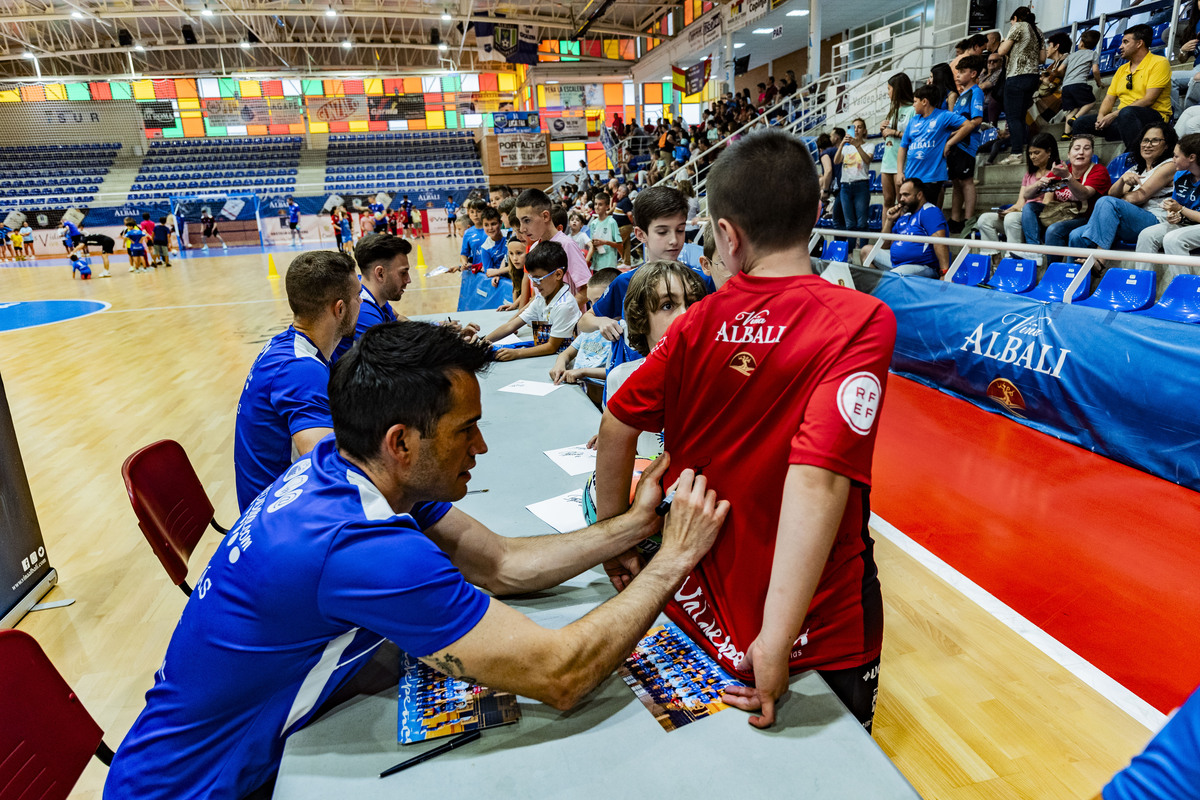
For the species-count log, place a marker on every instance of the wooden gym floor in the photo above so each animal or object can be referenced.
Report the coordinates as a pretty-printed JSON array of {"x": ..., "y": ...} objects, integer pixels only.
[{"x": 967, "y": 708}]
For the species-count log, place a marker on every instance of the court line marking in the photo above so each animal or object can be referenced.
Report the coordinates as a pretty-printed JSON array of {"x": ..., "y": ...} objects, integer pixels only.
[
  {"x": 107, "y": 306},
  {"x": 197, "y": 305},
  {"x": 1137, "y": 708}
]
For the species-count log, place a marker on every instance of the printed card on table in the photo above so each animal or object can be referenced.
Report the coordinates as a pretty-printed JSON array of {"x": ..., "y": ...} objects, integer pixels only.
[
  {"x": 563, "y": 513},
  {"x": 433, "y": 705},
  {"x": 575, "y": 460},
  {"x": 535, "y": 388},
  {"x": 676, "y": 681}
]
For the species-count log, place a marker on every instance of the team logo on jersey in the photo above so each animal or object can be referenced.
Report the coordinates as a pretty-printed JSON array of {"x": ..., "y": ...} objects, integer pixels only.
[
  {"x": 744, "y": 363},
  {"x": 1004, "y": 392},
  {"x": 750, "y": 327},
  {"x": 858, "y": 401}
]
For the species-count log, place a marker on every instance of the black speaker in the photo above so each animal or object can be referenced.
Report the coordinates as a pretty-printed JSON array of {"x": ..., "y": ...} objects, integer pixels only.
[
  {"x": 124, "y": 38},
  {"x": 252, "y": 37},
  {"x": 435, "y": 36},
  {"x": 189, "y": 35}
]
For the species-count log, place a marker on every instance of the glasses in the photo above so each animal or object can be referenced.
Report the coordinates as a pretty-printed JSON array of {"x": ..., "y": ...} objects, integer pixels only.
[
  {"x": 1153, "y": 141},
  {"x": 1129, "y": 82},
  {"x": 538, "y": 281}
]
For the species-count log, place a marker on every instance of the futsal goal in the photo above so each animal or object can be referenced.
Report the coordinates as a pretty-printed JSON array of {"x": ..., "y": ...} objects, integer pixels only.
[{"x": 236, "y": 217}]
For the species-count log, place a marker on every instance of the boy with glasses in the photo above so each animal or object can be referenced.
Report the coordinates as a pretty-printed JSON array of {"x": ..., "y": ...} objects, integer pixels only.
[{"x": 553, "y": 311}]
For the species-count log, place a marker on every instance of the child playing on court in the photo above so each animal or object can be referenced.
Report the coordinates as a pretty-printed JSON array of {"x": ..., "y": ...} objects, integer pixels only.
[
  {"x": 18, "y": 244},
  {"x": 82, "y": 266},
  {"x": 209, "y": 230},
  {"x": 162, "y": 242},
  {"x": 147, "y": 226},
  {"x": 347, "y": 232},
  {"x": 588, "y": 355},
  {"x": 553, "y": 312},
  {"x": 135, "y": 246}
]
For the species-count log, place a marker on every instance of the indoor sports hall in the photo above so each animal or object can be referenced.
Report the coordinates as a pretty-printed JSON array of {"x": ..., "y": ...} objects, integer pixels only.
[{"x": 1035, "y": 466}]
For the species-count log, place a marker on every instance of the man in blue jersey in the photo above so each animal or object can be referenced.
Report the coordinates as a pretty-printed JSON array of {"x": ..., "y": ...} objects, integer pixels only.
[
  {"x": 284, "y": 407},
  {"x": 960, "y": 163},
  {"x": 1169, "y": 767},
  {"x": 357, "y": 543},
  {"x": 451, "y": 215},
  {"x": 71, "y": 234},
  {"x": 928, "y": 139},
  {"x": 912, "y": 216},
  {"x": 293, "y": 217},
  {"x": 383, "y": 266},
  {"x": 473, "y": 238}
]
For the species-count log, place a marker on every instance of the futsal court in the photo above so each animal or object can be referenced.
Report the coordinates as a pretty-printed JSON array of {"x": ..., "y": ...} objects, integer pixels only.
[{"x": 968, "y": 706}]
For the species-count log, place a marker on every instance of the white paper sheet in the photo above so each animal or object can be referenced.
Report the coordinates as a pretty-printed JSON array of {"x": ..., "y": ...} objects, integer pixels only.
[
  {"x": 512, "y": 338},
  {"x": 535, "y": 388},
  {"x": 563, "y": 513},
  {"x": 435, "y": 271},
  {"x": 575, "y": 460}
]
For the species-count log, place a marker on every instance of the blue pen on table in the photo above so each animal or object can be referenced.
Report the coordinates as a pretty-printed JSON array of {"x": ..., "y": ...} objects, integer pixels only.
[{"x": 458, "y": 741}]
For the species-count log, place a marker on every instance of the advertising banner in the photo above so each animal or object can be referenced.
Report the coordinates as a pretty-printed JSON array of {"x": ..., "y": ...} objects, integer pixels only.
[
  {"x": 516, "y": 122},
  {"x": 568, "y": 96},
  {"x": 529, "y": 150},
  {"x": 286, "y": 110},
  {"x": 484, "y": 102},
  {"x": 157, "y": 115},
  {"x": 705, "y": 32},
  {"x": 563, "y": 128},
  {"x": 516, "y": 44},
  {"x": 1114, "y": 384},
  {"x": 396, "y": 106},
  {"x": 741, "y": 12},
  {"x": 337, "y": 109},
  {"x": 239, "y": 110}
]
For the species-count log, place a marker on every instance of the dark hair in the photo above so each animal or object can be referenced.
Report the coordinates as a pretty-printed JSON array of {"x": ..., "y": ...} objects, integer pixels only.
[
  {"x": 162, "y": 220},
  {"x": 546, "y": 257},
  {"x": 1190, "y": 144},
  {"x": 837, "y": 133},
  {"x": 605, "y": 196},
  {"x": 1061, "y": 39},
  {"x": 145, "y": 215},
  {"x": 379, "y": 248},
  {"x": 933, "y": 94},
  {"x": 776, "y": 209},
  {"x": 962, "y": 46},
  {"x": 709, "y": 244},
  {"x": 1025, "y": 14},
  {"x": 658, "y": 202},
  {"x": 397, "y": 373},
  {"x": 316, "y": 278},
  {"x": 1170, "y": 139},
  {"x": 917, "y": 184},
  {"x": 641, "y": 298},
  {"x": 902, "y": 95},
  {"x": 824, "y": 142},
  {"x": 1090, "y": 38},
  {"x": 533, "y": 198},
  {"x": 976, "y": 63},
  {"x": 489, "y": 214},
  {"x": 943, "y": 81},
  {"x": 558, "y": 217},
  {"x": 1042, "y": 141},
  {"x": 1143, "y": 33},
  {"x": 128, "y": 221},
  {"x": 977, "y": 40},
  {"x": 506, "y": 205},
  {"x": 602, "y": 278}
]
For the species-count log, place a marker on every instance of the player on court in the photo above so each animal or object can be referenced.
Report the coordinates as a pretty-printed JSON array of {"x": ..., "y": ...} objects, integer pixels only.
[
  {"x": 72, "y": 236},
  {"x": 293, "y": 218},
  {"x": 134, "y": 246},
  {"x": 209, "y": 230},
  {"x": 778, "y": 375},
  {"x": 451, "y": 216},
  {"x": 106, "y": 245}
]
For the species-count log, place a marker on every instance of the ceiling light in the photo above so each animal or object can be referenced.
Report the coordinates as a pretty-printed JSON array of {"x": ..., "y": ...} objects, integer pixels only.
[
  {"x": 76, "y": 15},
  {"x": 139, "y": 48},
  {"x": 346, "y": 45},
  {"x": 443, "y": 46},
  {"x": 551, "y": 81},
  {"x": 445, "y": 16},
  {"x": 799, "y": 12},
  {"x": 763, "y": 30},
  {"x": 245, "y": 45},
  {"x": 736, "y": 45},
  {"x": 28, "y": 54},
  {"x": 329, "y": 12},
  {"x": 207, "y": 12}
]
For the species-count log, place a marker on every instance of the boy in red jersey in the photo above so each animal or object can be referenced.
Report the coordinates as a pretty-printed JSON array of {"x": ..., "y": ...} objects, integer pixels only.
[{"x": 771, "y": 388}]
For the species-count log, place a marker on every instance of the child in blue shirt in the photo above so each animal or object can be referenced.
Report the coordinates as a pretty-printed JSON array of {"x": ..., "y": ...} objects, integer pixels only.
[
  {"x": 451, "y": 216},
  {"x": 134, "y": 236},
  {"x": 961, "y": 160},
  {"x": 82, "y": 266},
  {"x": 928, "y": 138}
]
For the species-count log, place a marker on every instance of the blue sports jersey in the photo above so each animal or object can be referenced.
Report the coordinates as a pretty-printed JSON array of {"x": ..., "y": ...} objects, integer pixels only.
[
  {"x": 1187, "y": 190},
  {"x": 135, "y": 236},
  {"x": 312, "y": 578},
  {"x": 1169, "y": 767},
  {"x": 293, "y": 212},
  {"x": 492, "y": 253},
  {"x": 162, "y": 234},
  {"x": 287, "y": 391},
  {"x": 925, "y": 221},
  {"x": 347, "y": 233},
  {"x": 406, "y": 206},
  {"x": 473, "y": 240},
  {"x": 970, "y": 106},
  {"x": 925, "y": 138},
  {"x": 72, "y": 231},
  {"x": 451, "y": 209},
  {"x": 370, "y": 314},
  {"x": 612, "y": 305},
  {"x": 376, "y": 209}
]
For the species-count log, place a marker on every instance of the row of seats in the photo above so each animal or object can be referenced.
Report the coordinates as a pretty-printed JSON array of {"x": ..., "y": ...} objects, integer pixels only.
[
  {"x": 52, "y": 188},
  {"x": 262, "y": 191},
  {"x": 380, "y": 174},
  {"x": 56, "y": 173},
  {"x": 168, "y": 163},
  {"x": 223, "y": 183},
  {"x": 49, "y": 201},
  {"x": 442, "y": 162},
  {"x": 210, "y": 175},
  {"x": 1109, "y": 58},
  {"x": 380, "y": 137},
  {"x": 42, "y": 160},
  {"x": 172, "y": 144},
  {"x": 48, "y": 181},
  {"x": 452, "y": 185},
  {"x": 277, "y": 150},
  {"x": 59, "y": 148},
  {"x": 378, "y": 157}
]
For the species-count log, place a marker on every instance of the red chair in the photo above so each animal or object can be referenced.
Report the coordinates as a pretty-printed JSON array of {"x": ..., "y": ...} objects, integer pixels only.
[
  {"x": 48, "y": 736},
  {"x": 171, "y": 505}
]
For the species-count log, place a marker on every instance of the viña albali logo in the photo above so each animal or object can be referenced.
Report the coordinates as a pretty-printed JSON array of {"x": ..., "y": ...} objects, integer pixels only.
[{"x": 1021, "y": 344}]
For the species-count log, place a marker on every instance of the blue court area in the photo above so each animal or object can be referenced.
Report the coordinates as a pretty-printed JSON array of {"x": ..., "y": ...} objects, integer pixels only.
[{"x": 31, "y": 314}]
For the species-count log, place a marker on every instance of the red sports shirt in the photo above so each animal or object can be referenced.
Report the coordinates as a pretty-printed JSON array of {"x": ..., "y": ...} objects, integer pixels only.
[{"x": 766, "y": 373}]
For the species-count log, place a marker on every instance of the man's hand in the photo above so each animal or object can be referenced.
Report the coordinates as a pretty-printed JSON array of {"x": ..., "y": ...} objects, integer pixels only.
[
  {"x": 507, "y": 354},
  {"x": 456, "y": 268},
  {"x": 893, "y": 213},
  {"x": 695, "y": 517},
  {"x": 609, "y": 328},
  {"x": 770, "y": 671},
  {"x": 1188, "y": 47},
  {"x": 625, "y": 567},
  {"x": 1106, "y": 120}
]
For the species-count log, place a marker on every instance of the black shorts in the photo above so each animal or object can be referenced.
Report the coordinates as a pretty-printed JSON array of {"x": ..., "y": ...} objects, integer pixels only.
[
  {"x": 857, "y": 688},
  {"x": 293, "y": 225},
  {"x": 1076, "y": 96},
  {"x": 105, "y": 243},
  {"x": 960, "y": 165},
  {"x": 76, "y": 239},
  {"x": 208, "y": 233}
]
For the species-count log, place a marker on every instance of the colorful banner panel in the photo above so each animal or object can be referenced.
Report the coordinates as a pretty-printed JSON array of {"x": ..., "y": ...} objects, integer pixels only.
[{"x": 399, "y": 106}]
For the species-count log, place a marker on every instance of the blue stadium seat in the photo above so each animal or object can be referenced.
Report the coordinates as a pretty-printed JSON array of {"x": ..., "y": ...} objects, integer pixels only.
[
  {"x": 876, "y": 181},
  {"x": 1123, "y": 290},
  {"x": 1053, "y": 286},
  {"x": 1119, "y": 165},
  {"x": 875, "y": 217},
  {"x": 1179, "y": 303},
  {"x": 836, "y": 251},
  {"x": 1014, "y": 275},
  {"x": 875, "y": 156},
  {"x": 973, "y": 270}
]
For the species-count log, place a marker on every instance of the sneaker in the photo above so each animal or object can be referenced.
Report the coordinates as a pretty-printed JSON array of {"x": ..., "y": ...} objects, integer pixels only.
[
  {"x": 1066, "y": 137},
  {"x": 224, "y": 247},
  {"x": 106, "y": 274},
  {"x": 204, "y": 249},
  {"x": 1015, "y": 158}
]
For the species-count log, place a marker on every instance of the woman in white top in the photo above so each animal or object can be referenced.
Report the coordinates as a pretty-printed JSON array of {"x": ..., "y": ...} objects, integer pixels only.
[
  {"x": 1134, "y": 202},
  {"x": 854, "y": 194}
]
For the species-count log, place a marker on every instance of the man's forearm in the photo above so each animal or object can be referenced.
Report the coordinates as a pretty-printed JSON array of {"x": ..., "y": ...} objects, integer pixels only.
[
  {"x": 615, "y": 451},
  {"x": 943, "y": 256}
]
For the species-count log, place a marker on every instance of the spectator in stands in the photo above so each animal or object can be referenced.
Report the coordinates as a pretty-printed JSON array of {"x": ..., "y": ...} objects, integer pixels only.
[
  {"x": 928, "y": 139},
  {"x": 912, "y": 216},
  {"x": 993, "y": 42},
  {"x": 941, "y": 77},
  {"x": 960, "y": 163},
  {"x": 106, "y": 245},
  {"x": 580, "y": 236},
  {"x": 828, "y": 146},
  {"x": 1048, "y": 97},
  {"x": 623, "y": 214},
  {"x": 618, "y": 126},
  {"x": 992, "y": 83},
  {"x": 900, "y": 95},
  {"x": 1065, "y": 197},
  {"x": 160, "y": 239},
  {"x": 1083, "y": 65},
  {"x": 1040, "y": 155},
  {"x": 285, "y": 401},
  {"x": 1135, "y": 200},
  {"x": 383, "y": 266},
  {"x": 771, "y": 93},
  {"x": 553, "y": 312},
  {"x": 1180, "y": 234},
  {"x": 1025, "y": 51},
  {"x": 854, "y": 196},
  {"x": 210, "y": 230},
  {"x": 1140, "y": 92},
  {"x": 533, "y": 211},
  {"x": 605, "y": 234},
  {"x": 789, "y": 86},
  {"x": 588, "y": 355}
]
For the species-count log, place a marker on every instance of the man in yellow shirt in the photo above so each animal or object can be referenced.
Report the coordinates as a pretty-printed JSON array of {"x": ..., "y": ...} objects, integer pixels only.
[{"x": 1140, "y": 93}]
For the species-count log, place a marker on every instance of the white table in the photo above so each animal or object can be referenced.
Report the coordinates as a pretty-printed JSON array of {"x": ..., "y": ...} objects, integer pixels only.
[{"x": 609, "y": 745}]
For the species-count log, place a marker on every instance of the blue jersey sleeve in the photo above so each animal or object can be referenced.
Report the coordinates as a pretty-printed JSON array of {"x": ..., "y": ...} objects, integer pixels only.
[
  {"x": 300, "y": 394},
  {"x": 1169, "y": 767},
  {"x": 466, "y": 246},
  {"x": 932, "y": 220},
  {"x": 396, "y": 582},
  {"x": 612, "y": 303},
  {"x": 976, "y": 109}
]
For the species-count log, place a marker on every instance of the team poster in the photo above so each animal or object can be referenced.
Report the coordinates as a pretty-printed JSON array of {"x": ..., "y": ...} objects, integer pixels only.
[{"x": 433, "y": 705}]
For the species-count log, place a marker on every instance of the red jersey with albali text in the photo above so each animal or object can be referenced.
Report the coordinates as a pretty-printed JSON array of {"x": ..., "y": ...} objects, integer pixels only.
[{"x": 766, "y": 373}]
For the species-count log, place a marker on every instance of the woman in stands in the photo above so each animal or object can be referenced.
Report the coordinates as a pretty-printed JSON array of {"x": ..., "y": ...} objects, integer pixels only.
[
  {"x": 1067, "y": 194},
  {"x": 854, "y": 195},
  {"x": 1041, "y": 154},
  {"x": 1026, "y": 51},
  {"x": 942, "y": 77},
  {"x": 900, "y": 93},
  {"x": 1180, "y": 234},
  {"x": 1135, "y": 201}
]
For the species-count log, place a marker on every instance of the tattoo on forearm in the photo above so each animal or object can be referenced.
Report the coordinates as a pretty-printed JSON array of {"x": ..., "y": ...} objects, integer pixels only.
[{"x": 452, "y": 666}]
